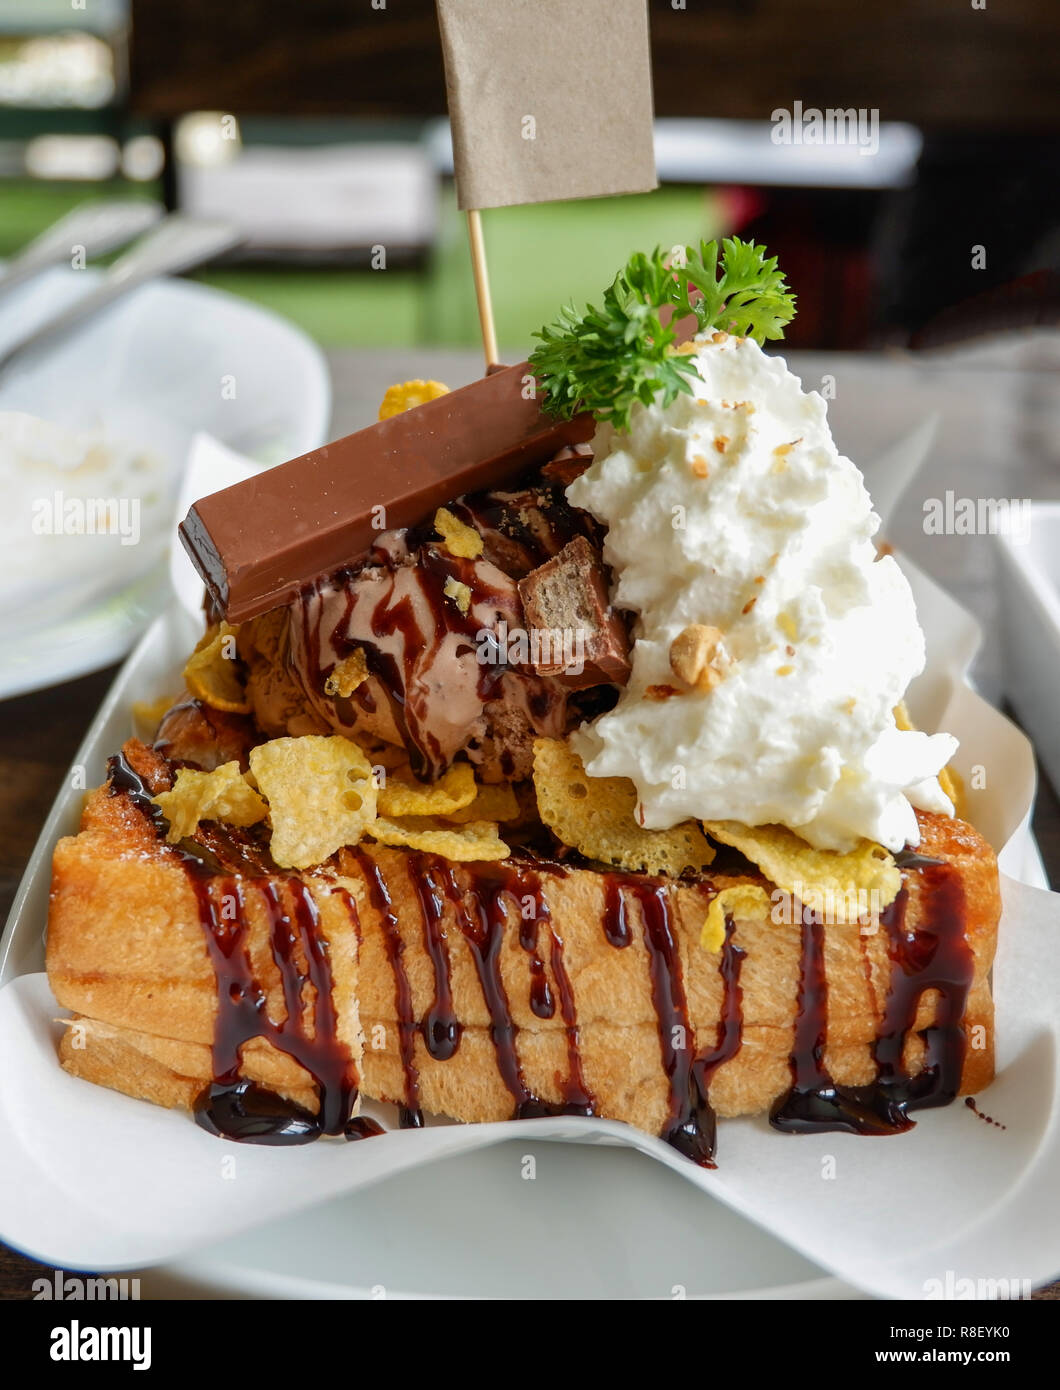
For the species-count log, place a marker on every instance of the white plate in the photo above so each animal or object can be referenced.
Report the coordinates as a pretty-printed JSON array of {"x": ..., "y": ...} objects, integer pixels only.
[
  {"x": 592, "y": 1223},
  {"x": 595, "y": 1221},
  {"x": 170, "y": 359}
]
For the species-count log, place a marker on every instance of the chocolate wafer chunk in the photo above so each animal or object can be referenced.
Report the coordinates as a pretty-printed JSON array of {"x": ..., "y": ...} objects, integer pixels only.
[{"x": 567, "y": 599}]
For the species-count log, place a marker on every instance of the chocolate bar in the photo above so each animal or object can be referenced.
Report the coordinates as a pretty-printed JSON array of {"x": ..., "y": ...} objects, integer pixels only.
[{"x": 256, "y": 544}]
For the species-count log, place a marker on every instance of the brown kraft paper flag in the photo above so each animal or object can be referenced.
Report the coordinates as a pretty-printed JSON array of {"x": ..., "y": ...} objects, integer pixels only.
[{"x": 548, "y": 99}]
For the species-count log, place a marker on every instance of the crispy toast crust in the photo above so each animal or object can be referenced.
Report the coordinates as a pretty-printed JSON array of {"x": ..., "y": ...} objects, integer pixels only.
[{"x": 127, "y": 953}]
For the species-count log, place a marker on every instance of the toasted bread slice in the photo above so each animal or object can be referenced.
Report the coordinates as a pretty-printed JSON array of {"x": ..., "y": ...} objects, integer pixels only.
[{"x": 521, "y": 966}]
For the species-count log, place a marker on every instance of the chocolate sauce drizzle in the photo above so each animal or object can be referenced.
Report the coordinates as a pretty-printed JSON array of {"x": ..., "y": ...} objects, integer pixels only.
[
  {"x": 410, "y": 1116},
  {"x": 982, "y": 1115},
  {"x": 233, "y": 1106},
  {"x": 936, "y": 956},
  {"x": 616, "y": 923},
  {"x": 684, "y": 1125},
  {"x": 691, "y": 1125},
  {"x": 577, "y": 1098},
  {"x": 541, "y": 1001},
  {"x": 482, "y": 899},
  {"x": 814, "y": 1101},
  {"x": 442, "y": 1030},
  {"x": 482, "y": 915},
  {"x": 730, "y": 1033}
]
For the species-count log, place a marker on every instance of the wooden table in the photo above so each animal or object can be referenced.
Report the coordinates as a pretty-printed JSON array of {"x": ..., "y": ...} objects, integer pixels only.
[{"x": 39, "y": 733}]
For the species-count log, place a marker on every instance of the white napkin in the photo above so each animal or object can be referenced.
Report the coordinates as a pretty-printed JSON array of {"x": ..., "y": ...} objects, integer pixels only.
[{"x": 889, "y": 474}]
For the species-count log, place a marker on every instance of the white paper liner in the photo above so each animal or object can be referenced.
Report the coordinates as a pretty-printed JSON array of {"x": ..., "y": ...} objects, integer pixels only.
[{"x": 92, "y": 1179}]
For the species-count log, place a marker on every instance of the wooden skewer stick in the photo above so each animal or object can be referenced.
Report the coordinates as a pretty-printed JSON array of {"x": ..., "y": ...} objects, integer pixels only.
[{"x": 482, "y": 286}]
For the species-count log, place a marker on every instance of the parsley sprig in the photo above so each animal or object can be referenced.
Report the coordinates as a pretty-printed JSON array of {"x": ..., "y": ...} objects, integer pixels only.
[{"x": 604, "y": 360}]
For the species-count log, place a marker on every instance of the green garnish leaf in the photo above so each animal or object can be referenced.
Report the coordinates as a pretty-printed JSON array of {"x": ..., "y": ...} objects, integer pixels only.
[{"x": 606, "y": 359}]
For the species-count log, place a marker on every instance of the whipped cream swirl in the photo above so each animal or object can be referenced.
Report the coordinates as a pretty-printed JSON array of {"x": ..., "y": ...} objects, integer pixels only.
[{"x": 733, "y": 509}]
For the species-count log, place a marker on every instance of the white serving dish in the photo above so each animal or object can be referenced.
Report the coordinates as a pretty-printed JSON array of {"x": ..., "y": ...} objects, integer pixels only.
[
  {"x": 141, "y": 1187},
  {"x": 170, "y": 359},
  {"x": 1029, "y": 571}
]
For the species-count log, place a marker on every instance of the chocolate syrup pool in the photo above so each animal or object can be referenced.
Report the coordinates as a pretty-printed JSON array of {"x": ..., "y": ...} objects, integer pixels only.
[{"x": 486, "y": 903}]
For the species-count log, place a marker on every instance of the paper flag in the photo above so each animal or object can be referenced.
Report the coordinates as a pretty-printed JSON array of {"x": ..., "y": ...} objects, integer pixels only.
[{"x": 548, "y": 99}]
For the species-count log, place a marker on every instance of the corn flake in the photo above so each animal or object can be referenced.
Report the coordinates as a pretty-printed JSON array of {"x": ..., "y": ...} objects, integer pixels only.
[
  {"x": 223, "y": 794},
  {"x": 406, "y": 395},
  {"x": 741, "y": 900},
  {"x": 401, "y": 796},
  {"x": 477, "y": 839},
  {"x": 843, "y": 886},
  {"x": 348, "y": 674},
  {"x": 387, "y": 757},
  {"x": 457, "y": 537},
  {"x": 495, "y": 802},
  {"x": 320, "y": 792},
  {"x": 212, "y": 673},
  {"x": 596, "y": 815}
]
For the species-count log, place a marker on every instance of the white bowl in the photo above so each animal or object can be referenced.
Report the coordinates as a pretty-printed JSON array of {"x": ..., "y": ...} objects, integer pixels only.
[
  {"x": 170, "y": 359},
  {"x": 1029, "y": 571}
]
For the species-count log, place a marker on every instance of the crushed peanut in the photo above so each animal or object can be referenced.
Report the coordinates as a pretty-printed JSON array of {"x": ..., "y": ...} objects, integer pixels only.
[
  {"x": 697, "y": 657},
  {"x": 661, "y": 692},
  {"x": 700, "y": 467},
  {"x": 721, "y": 443}
]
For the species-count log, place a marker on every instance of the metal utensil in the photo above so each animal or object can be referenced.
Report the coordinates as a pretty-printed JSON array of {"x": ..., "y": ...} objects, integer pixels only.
[
  {"x": 97, "y": 227},
  {"x": 178, "y": 244}
]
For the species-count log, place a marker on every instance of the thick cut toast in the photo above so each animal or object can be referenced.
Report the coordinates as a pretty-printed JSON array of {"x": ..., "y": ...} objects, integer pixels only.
[{"x": 485, "y": 991}]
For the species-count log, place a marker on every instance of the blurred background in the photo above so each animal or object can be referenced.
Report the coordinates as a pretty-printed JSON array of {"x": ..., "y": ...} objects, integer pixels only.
[{"x": 319, "y": 129}]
